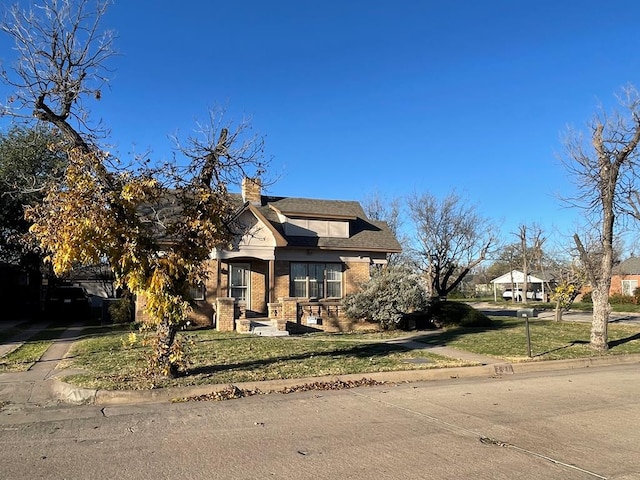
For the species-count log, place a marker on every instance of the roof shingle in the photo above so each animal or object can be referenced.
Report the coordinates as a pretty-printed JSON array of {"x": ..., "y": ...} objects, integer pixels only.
[{"x": 364, "y": 234}]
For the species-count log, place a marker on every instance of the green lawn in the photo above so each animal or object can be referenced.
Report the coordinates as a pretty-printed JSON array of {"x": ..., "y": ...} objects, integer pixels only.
[
  {"x": 23, "y": 358},
  {"x": 550, "y": 340},
  {"x": 112, "y": 363}
]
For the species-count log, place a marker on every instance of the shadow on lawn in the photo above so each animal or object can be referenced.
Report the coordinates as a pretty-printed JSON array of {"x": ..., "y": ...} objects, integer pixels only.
[
  {"x": 446, "y": 336},
  {"x": 564, "y": 347},
  {"x": 499, "y": 312},
  {"x": 612, "y": 344},
  {"x": 367, "y": 350},
  {"x": 621, "y": 341}
]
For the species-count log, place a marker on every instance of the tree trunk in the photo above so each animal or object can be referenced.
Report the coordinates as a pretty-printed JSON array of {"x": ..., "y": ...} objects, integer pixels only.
[
  {"x": 600, "y": 323},
  {"x": 166, "y": 335},
  {"x": 558, "y": 311}
]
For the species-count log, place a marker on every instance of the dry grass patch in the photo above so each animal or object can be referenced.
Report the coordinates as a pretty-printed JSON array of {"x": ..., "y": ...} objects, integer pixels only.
[{"x": 220, "y": 358}]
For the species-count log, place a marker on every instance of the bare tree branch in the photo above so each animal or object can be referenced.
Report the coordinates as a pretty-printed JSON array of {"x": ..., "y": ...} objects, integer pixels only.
[
  {"x": 61, "y": 63},
  {"x": 607, "y": 183},
  {"x": 451, "y": 239}
]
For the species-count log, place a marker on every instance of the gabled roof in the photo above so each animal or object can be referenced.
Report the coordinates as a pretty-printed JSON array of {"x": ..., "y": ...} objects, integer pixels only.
[
  {"x": 630, "y": 266},
  {"x": 310, "y": 208},
  {"x": 516, "y": 276},
  {"x": 365, "y": 234},
  {"x": 280, "y": 240}
]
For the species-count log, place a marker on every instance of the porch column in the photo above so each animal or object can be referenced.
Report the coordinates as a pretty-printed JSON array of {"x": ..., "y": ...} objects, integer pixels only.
[
  {"x": 225, "y": 314},
  {"x": 272, "y": 282},
  {"x": 218, "y": 278}
]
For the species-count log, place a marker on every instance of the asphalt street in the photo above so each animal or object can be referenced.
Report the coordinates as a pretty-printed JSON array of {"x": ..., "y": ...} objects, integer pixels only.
[
  {"x": 577, "y": 424},
  {"x": 575, "y": 419}
]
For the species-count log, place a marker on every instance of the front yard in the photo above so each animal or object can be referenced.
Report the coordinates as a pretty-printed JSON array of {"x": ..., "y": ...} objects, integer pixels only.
[
  {"x": 550, "y": 340},
  {"x": 112, "y": 361}
]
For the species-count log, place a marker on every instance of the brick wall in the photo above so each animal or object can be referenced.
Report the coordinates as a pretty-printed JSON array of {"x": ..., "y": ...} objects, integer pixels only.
[
  {"x": 141, "y": 311},
  {"x": 201, "y": 315},
  {"x": 355, "y": 275},
  {"x": 616, "y": 283},
  {"x": 281, "y": 273},
  {"x": 329, "y": 316},
  {"x": 225, "y": 312},
  {"x": 259, "y": 280}
]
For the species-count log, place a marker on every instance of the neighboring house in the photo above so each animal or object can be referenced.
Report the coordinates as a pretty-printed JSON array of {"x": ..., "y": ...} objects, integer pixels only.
[
  {"x": 625, "y": 277},
  {"x": 293, "y": 265},
  {"x": 515, "y": 279}
]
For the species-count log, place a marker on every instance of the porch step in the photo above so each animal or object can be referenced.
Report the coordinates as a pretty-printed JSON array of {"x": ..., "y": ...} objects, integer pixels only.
[{"x": 266, "y": 328}]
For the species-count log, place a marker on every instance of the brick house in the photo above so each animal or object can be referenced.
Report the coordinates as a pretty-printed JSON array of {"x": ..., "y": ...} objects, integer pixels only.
[
  {"x": 293, "y": 265},
  {"x": 625, "y": 277}
]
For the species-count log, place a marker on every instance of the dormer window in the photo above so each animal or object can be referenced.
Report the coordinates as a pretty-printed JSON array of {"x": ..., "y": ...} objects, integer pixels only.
[{"x": 303, "y": 227}]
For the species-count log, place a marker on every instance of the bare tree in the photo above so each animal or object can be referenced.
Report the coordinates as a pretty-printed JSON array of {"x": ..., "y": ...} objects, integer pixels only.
[
  {"x": 61, "y": 64},
  {"x": 381, "y": 208},
  {"x": 530, "y": 243},
  {"x": 604, "y": 176},
  {"x": 451, "y": 238},
  {"x": 154, "y": 224}
]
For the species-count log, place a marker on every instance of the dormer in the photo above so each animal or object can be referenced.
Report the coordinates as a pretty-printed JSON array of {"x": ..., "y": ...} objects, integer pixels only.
[
  {"x": 311, "y": 227},
  {"x": 313, "y": 224}
]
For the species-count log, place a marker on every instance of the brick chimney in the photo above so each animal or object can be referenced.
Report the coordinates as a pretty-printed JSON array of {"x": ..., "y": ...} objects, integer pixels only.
[{"x": 252, "y": 190}]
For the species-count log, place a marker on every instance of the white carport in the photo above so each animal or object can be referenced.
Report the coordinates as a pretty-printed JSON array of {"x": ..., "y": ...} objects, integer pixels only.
[{"x": 516, "y": 278}]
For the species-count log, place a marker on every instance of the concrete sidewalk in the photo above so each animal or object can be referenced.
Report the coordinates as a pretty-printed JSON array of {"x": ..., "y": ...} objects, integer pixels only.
[
  {"x": 34, "y": 387},
  {"x": 17, "y": 340}
]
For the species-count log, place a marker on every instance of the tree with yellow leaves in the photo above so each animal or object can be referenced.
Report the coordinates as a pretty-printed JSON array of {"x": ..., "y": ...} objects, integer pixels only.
[
  {"x": 153, "y": 225},
  {"x": 563, "y": 295}
]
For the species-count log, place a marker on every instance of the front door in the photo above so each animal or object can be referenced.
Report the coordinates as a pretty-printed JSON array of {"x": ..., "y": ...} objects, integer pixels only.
[{"x": 240, "y": 283}]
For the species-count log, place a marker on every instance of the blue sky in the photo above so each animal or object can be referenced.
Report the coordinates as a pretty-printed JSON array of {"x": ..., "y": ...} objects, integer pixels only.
[{"x": 362, "y": 96}]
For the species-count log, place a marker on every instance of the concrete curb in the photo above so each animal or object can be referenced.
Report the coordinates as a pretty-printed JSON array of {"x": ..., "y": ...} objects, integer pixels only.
[{"x": 75, "y": 395}]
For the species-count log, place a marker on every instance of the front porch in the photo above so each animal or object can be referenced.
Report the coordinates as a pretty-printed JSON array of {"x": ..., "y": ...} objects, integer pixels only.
[{"x": 288, "y": 314}]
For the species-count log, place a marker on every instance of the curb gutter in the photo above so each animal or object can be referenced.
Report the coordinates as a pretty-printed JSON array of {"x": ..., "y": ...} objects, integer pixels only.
[{"x": 86, "y": 396}]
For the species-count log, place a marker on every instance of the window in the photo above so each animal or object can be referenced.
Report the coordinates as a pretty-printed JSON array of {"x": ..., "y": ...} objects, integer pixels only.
[
  {"x": 334, "y": 280},
  {"x": 316, "y": 228},
  {"x": 316, "y": 280},
  {"x": 629, "y": 286},
  {"x": 197, "y": 292},
  {"x": 239, "y": 282}
]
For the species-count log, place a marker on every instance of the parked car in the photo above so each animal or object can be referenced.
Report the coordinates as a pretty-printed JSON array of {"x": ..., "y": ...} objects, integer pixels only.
[
  {"x": 67, "y": 302},
  {"x": 508, "y": 295}
]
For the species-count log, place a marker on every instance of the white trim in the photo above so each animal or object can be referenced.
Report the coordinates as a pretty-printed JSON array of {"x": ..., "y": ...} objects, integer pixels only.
[{"x": 261, "y": 253}]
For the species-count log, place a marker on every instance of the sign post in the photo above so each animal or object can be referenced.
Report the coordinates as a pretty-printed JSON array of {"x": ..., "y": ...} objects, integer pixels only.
[{"x": 526, "y": 313}]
